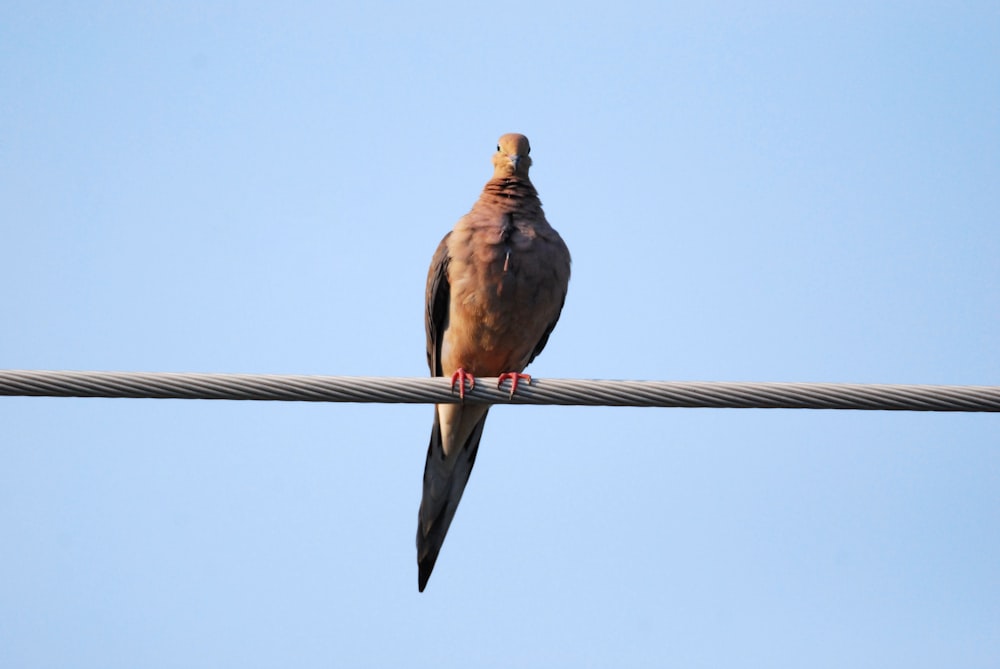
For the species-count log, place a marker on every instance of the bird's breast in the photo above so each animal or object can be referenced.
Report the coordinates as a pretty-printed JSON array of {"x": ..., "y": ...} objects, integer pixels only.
[{"x": 504, "y": 294}]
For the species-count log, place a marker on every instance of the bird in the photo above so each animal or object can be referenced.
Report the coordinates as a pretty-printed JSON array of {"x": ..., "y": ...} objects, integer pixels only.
[{"x": 495, "y": 289}]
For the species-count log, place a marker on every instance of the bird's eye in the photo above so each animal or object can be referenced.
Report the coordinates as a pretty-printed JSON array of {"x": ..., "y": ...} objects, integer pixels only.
[{"x": 498, "y": 147}]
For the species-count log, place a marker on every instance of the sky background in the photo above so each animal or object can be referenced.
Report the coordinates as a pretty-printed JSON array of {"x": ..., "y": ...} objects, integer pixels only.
[{"x": 751, "y": 192}]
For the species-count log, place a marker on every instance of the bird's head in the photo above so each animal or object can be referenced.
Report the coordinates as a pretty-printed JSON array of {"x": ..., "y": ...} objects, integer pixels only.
[{"x": 511, "y": 158}]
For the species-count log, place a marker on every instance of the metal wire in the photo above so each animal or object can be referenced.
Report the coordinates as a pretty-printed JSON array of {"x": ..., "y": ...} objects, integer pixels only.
[{"x": 575, "y": 392}]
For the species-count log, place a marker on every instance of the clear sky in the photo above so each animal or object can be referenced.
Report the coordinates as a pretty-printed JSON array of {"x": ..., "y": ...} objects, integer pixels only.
[{"x": 751, "y": 191}]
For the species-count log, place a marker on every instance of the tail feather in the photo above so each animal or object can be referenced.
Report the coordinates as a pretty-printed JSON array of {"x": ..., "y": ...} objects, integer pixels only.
[{"x": 445, "y": 478}]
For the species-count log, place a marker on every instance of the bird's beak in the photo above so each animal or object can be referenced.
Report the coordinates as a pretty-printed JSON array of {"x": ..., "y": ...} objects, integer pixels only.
[{"x": 514, "y": 160}]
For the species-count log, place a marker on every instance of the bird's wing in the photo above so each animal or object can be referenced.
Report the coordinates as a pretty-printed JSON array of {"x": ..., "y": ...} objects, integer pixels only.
[{"x": 436, "y": 300}]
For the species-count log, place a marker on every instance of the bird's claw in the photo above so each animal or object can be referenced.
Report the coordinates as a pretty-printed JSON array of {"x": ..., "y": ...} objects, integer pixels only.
[
  {"x": 460, "y": 377},
  {"x": 514, "y": 378}
]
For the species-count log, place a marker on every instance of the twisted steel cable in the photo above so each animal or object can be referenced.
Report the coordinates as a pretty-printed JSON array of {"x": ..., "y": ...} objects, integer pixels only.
[{"x": 567, "y": 392}]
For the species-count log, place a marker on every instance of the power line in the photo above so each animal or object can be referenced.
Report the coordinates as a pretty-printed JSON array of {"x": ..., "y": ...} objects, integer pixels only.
[{"x": 566, "y": 392}]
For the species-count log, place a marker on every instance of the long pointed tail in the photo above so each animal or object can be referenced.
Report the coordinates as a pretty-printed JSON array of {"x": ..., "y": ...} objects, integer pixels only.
[{"x": 445, "y": 478}]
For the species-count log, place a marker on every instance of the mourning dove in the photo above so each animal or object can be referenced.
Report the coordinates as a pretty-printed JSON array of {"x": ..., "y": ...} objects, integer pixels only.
[{"x": 495, "y": 289}]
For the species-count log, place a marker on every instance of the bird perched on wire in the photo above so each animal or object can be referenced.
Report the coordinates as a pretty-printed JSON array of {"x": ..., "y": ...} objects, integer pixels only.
[{"x": 495, "y": 289}]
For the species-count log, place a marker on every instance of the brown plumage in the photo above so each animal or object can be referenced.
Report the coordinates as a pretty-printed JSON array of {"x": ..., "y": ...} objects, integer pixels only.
[{"x": 495, "y": 289}]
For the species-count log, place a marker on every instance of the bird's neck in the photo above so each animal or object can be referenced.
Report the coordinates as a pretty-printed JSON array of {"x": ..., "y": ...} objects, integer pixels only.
[{"x": 513, "y": 188}]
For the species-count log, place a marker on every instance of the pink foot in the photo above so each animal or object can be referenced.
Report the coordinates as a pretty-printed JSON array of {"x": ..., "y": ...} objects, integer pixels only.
[
  {"x": 514, "y": 378},
  {"x": 460, "y": 377}
]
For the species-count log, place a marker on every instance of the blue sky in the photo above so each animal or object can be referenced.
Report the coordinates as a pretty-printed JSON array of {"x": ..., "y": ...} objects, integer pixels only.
[{"x": 753, "y": 192}]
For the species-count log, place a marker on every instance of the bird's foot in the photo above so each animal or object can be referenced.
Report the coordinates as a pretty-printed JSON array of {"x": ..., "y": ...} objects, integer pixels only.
[
  {"x": 460, "y": 377},
  {"x": 514, "y": 378}
]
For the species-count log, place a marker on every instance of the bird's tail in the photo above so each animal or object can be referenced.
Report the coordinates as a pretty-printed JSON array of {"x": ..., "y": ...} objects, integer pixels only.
[{"x": 445, "y": 477}]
